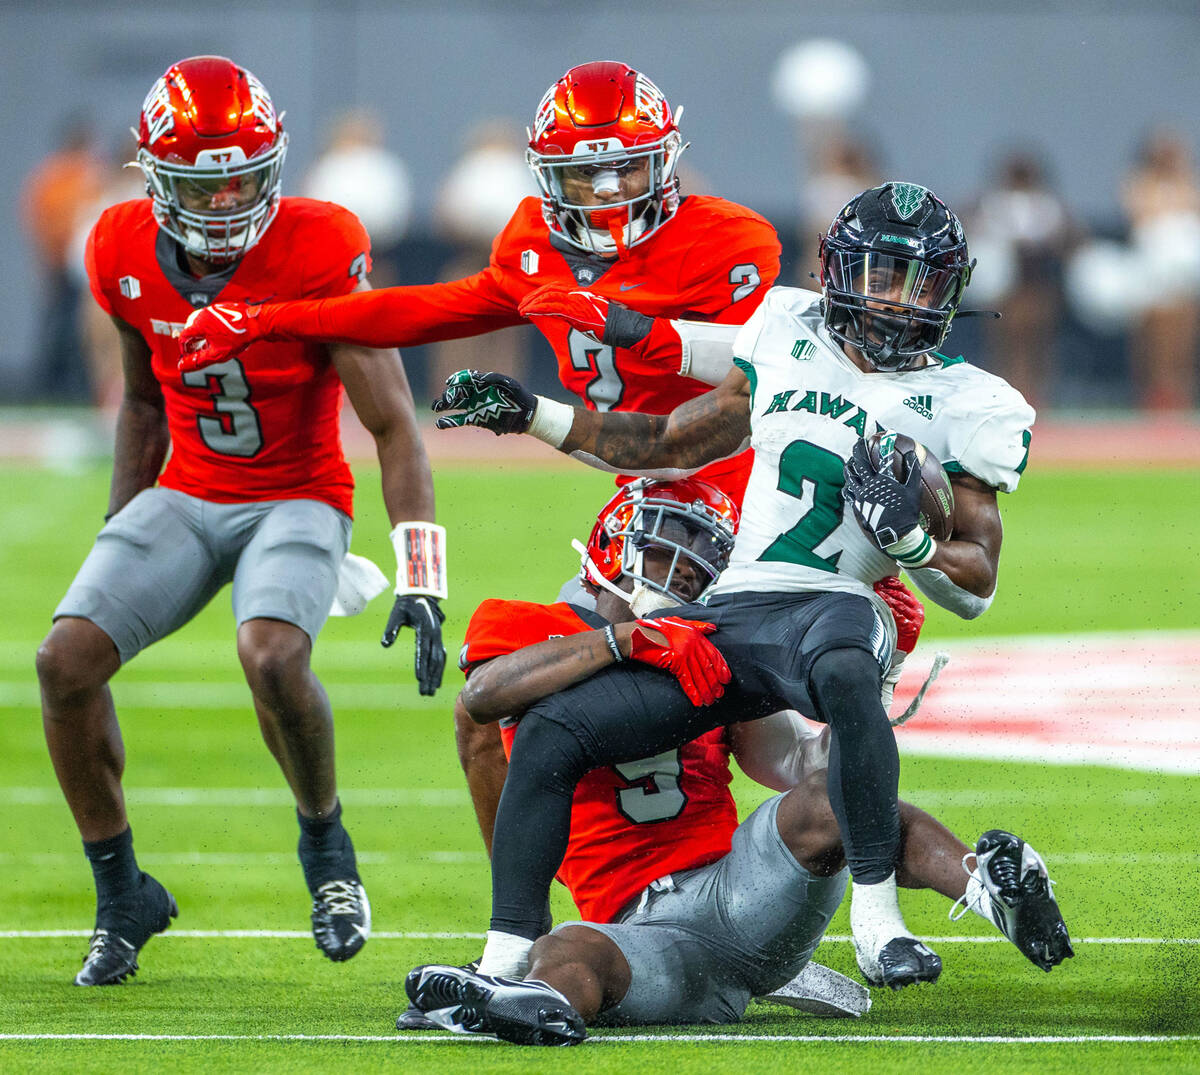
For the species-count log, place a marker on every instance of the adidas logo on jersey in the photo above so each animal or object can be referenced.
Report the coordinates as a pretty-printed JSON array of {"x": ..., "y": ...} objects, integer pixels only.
[
  {"x": 802, "y": 350},
  {"x": 923, "y": 405}
]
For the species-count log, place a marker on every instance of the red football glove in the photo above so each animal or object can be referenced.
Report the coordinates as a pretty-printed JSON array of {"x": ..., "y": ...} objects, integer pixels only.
[
  {"x": 583, "y": 310},
  {"x": 218, "y": 332},
  {"x": 688, "y": 655},
  {"x": 907, "y": 611}
]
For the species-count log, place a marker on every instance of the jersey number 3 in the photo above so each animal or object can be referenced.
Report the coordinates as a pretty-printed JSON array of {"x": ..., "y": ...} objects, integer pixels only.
[
  {"x": 654, "y": 793},
  {"x": 234, "y": 428}
]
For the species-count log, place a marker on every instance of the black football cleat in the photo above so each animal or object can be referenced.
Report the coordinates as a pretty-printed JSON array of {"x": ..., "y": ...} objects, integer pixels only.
[
  {"x": 122, "y": 930},
  {"x": 1022, "y": 898},
  {"x": 902, "y": 961},
  {"x": 522, "y": 1012},
  {"x": 412, "y": 1018},
  {"x": 341, "y": 919}
]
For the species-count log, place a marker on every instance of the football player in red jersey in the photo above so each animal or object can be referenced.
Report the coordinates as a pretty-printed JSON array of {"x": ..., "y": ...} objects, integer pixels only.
[
  {"x": 604, "y": 148},
  {"x": 688, "y": 915},
  {"x": 255, "y": 492}
]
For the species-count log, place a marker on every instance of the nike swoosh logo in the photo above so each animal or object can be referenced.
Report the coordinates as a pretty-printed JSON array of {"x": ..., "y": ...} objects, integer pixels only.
[{"x": 630, "y": 287}]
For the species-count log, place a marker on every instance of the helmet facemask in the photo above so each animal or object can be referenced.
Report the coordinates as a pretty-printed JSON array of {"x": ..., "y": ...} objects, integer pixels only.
[
  {"x": 242, "y": 198},
  {"x": 609, "y": 227},
  {"x": 892, "y": 308},
  {"x": 666, "y": 552}
]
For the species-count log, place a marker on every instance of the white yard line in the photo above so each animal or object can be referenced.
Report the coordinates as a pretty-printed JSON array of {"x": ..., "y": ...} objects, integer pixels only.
[
  {"x": 419, "y": 935},
  {"x": 49, "y": 795},
  {"x": 646, "y": 1039}
]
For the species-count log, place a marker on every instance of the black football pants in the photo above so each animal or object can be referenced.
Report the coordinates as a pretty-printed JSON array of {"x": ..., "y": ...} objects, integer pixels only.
[{"x": 819, "y": 653}]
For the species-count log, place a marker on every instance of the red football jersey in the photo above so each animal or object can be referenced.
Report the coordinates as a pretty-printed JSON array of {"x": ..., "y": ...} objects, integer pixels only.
[
  {"x": 631, "y": 823},
  {"x": 712, "y": 261},
  {"x": 268, "y": 427}
]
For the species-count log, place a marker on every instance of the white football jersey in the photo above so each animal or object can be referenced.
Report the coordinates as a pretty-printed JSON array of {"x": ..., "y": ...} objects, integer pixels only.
[{"x": 809, "y": 405}]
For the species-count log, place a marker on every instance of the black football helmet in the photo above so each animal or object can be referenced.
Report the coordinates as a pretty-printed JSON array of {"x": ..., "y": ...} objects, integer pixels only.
[{"x": 894, "y": 265}]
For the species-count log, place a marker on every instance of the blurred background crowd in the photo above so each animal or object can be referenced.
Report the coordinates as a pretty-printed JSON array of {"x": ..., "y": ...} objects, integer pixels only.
[{"x": 1065, "y": 139}]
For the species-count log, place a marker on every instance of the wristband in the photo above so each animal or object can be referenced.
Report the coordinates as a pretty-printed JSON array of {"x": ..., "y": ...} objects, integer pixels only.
[
  {"x": 610, "y": 636},
  {"x": 915, "y": 549},
  {"x": 551, "y": 421},
  {"x": 420, "y": 558}
]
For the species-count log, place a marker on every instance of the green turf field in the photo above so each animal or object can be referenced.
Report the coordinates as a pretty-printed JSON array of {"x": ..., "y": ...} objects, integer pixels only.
[{"x": 1084, "y": 552}]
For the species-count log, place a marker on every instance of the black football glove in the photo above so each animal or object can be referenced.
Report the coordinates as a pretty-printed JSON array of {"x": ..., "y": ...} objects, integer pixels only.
[
  {"x": 886, "y": 509},
  {"x": 423, "y": 614},
  {"x": 490, "y": 400}
]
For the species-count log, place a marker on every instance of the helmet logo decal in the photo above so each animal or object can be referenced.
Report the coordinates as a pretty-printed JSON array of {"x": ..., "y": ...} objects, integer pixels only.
[
  {"x": 907, "y": 198},
  {"x": 260, "y": 103},
  {"x": 544, "y": 119},
  {"x": 160, "y": 119},
  {"x": 650, "y": 102}
]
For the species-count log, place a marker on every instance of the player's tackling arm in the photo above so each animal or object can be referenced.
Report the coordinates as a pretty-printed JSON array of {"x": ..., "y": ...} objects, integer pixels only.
[
  {"x": 142, "y": 437},
  {"x": 506, "y": 686}
]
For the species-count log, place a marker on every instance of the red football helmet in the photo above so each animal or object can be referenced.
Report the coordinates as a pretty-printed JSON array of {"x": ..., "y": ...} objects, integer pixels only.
[
  {"x": 603, "y": 149},
  {"x": 211, "y": 148},
  {"x": 689, "y": 519}
]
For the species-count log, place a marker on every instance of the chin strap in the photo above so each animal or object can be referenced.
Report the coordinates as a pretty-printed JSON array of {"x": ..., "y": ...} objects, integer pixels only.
[
  {"x": 617, "y": 231},
  {"x": 643, "y": 600}
]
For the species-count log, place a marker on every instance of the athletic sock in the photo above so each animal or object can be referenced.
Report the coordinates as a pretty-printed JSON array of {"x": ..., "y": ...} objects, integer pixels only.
[
  {"x": 505, "y": 955},
  {"x": 875, "y": 916},
  {"x": 114, "y": 867},
  {"x": 325, "y": 849}
]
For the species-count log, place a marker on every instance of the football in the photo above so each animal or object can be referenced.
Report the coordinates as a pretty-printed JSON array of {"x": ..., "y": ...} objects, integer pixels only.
[{"x": 937, "y": 495}]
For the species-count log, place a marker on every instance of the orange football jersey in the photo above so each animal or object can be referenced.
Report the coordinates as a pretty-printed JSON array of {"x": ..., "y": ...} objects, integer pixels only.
[
  {"x": 631, "y": 823},
  {"x": 267, "y": 428},
  {"x": 712, "y": 261}
]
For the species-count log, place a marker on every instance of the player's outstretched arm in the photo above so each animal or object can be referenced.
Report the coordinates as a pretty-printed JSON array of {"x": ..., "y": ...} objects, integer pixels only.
[
  {"x": 390, "y": 317},
  {"x": 142, "y": 438},
  {"x": 378, "y": 390},
  {"x": 700, "y": 431}
]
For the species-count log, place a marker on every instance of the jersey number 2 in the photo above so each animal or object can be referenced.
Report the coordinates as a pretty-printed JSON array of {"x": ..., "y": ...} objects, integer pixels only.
[
  {"x": 814, "y": 476},
  {"x": 654, "y": 793},
  {"x": 606, "y": 388},
  {"x": 234, "y": 429}
]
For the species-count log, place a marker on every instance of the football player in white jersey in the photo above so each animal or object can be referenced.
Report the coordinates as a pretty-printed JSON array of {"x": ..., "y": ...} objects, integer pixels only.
[{"x": 812, "y": 375}]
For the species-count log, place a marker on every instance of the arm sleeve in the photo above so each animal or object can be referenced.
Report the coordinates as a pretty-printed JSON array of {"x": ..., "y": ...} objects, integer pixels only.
[
  {"x": 938, "y": 587},
  {"x": 396, "y": 316}
]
